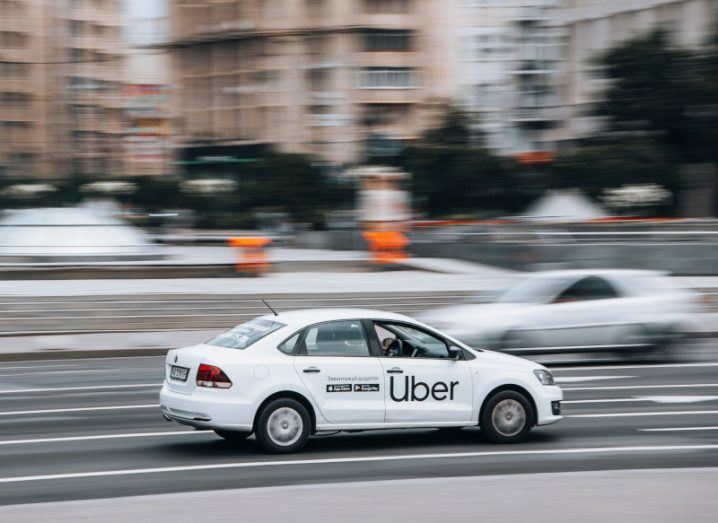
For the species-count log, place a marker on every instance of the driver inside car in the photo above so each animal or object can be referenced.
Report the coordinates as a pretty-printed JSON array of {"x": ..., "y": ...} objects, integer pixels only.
[{"x": 391, "y": 347}]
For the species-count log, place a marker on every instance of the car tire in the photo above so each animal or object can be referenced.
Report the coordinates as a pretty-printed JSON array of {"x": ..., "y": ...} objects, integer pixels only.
[
  {"x": 232, "y": 436},
  {"x": 507, "y": 417},
  {"x": 283, "y": 426}
]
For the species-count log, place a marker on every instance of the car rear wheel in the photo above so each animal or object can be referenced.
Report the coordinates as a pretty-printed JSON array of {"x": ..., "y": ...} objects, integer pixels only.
[
  {"x": 283, "y": 426},
  {"x": 507, "y": 417},
  {"x": 232, "y": 435}
]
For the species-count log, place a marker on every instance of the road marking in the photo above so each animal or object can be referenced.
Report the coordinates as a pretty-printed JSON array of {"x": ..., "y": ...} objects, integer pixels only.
[
  {"x": 647, "y": 366},
  {"x": 360, "y": 459},
  {"x": 633, "y": 387},
  {"x": 106, "y": 436},
  {"x": 611, "y": 400},
  {"x": 678, "y": 399},
  {"x": 654, "y": 399},
  {"x": 77, "y": 409},
  {"x": 98, "y": 387},
  {"x": 53, "y": 372},
  {"x": 678, "y": 429},
  {"x": 656, "y": 413},
  {"x": 580, "y": 379},
  {"x": 35, "y": 366}
]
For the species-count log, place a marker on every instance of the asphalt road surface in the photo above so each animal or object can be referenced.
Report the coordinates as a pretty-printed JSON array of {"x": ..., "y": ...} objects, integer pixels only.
[{"x": 89, "y": 429}]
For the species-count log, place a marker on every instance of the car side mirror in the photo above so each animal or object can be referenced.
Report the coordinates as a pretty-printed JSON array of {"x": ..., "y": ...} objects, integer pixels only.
[{"x": 455, "y": 353}]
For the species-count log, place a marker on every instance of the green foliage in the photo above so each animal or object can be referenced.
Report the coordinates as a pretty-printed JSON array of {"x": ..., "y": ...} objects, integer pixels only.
[
  {"x": 598, "y": 167},
  {"x": 664, "y": 93}
]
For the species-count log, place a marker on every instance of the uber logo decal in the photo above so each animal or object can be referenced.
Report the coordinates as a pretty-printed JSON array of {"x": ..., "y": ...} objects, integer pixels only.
[{"x": 420, "y": 391}]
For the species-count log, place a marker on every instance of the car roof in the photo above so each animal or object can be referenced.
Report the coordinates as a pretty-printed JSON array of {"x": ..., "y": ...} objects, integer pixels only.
[
  {"x": 301, "y": 317},
  {"x": 616, "y": 273}
]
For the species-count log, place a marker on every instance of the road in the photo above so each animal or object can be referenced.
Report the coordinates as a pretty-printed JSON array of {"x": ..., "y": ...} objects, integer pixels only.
[{"x": 90, "y": 428}]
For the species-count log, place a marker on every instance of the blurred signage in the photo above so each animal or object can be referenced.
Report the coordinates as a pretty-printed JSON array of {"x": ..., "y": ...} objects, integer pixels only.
[{"x": 146, "y": 99}]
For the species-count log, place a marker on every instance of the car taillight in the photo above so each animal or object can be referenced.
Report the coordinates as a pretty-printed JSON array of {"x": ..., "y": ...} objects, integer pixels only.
[{"x": 212, "y": 377}]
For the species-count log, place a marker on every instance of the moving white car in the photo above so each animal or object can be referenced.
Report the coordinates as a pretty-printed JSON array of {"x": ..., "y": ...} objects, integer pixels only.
[
  {"x": 627, "y": 313},
  {"x": 285, "y": 377}
]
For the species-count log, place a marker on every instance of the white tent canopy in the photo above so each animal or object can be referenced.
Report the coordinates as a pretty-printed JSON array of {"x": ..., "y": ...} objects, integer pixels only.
[
  {"x": 569, "y": 205},
  {"x": 70, "y": 232}
]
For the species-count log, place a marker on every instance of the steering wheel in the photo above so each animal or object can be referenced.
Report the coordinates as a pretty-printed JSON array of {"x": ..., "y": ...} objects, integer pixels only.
[{"x": 418, "y": 351}]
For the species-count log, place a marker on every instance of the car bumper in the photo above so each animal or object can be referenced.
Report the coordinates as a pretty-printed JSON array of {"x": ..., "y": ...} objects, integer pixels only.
[
  {"x": 208, "y": 409},
  {"x": 548, "y": 405}
]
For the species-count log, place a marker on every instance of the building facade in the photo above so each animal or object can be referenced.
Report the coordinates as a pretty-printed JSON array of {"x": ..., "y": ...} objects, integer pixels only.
[
  {"x": 335, "y": 78},
  {"x": 61, "y": 77}
]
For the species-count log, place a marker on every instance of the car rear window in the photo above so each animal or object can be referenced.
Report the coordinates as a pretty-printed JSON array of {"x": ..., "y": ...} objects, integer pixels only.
[{"x": 244, "y": 335}]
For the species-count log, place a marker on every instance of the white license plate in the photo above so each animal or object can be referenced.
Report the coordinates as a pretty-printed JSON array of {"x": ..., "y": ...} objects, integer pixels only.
[{"x": 179, "y": 373}]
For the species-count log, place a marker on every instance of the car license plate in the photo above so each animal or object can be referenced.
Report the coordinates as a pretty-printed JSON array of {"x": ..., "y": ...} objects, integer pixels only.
[{"x": 179, "y": 373}]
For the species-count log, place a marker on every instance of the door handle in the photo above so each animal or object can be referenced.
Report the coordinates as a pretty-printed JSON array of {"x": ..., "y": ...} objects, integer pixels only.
[
  {"x": 311, "y": 370},
  {"x": 395, "y": 370}
]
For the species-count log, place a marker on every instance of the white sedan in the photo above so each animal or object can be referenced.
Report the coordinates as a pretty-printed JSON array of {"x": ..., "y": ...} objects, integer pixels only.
[
  {"x": 285, "y": 377},
  {"x": 624, "y": 312}
]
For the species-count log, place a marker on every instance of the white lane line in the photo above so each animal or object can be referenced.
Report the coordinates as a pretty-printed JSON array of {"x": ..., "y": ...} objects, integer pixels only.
[
  {"x": 634, "y": 387},
  {"x": 53, "y": 372},
  {"x": 34, "y": 366},
  {"x": 678, "y": 399},
  {"x": 361, "y": 459},
  {"x": 580, "y": 379},
  {"x": 610, "y": 400},
  {"x": 647, "y": 366},
  {"x": 636, "y": 414},
  {"x": 97, "y": 387},
  {"x": 653, "y": 399},
  {"x": 78, "y": 409},
  {"x": 678, "y": 429},
  {"x": 106, "y": 436}
]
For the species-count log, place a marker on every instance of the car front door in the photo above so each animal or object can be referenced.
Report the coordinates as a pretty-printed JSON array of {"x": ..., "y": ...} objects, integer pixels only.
[
  {"x": 583, "y": 314},
  {"x": 422, "y": 384},
  {"x": 344, "y": 379}
]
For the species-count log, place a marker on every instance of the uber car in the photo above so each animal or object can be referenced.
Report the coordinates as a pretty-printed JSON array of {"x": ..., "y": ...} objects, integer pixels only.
[
  {"x": 285, "y": 377},
  {"x": 626, "y": 313}
]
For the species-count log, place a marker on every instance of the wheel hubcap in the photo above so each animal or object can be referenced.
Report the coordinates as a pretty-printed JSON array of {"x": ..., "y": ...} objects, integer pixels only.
[
  {"x": 285, "y": 426},
  {"x": 508, "y": 417}
]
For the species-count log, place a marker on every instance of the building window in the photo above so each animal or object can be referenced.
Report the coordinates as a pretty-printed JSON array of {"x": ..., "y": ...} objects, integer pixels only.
[
  {"x": 387, "y": 40},
  {"x": 13, "y": 70},
  {"x": 386, "y": 78}
]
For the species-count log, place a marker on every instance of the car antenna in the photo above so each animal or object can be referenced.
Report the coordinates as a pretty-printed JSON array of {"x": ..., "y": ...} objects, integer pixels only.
[{"x": 270, "y": 307}]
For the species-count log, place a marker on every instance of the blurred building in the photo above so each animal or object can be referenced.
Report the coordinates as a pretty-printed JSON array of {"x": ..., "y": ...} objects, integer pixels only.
[
  {"x": 61, "y": 76},
  {"x": 340, "y": 78},
  {"x": 593, "y": 26},
  {"x": 509, "y": 57},
  {"x": 146, "y": 94}
]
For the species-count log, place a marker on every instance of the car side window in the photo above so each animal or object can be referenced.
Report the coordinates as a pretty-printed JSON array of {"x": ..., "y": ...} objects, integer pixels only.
[
  {"x": 336, "y": 338},
  {"x": 288, "y": 346},
  {"x": 589, "y": 288},
  {"x": 412, "y": 342}
]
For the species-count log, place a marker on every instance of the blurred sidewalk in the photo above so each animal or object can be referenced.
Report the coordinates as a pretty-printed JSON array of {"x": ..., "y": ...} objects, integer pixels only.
[{"x": 636, "y": 496}]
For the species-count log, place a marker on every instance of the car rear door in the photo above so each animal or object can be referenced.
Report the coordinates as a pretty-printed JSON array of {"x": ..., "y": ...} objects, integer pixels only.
[
  {"x": 424, "y": 387},
  {"x": 335, "y": 364}
]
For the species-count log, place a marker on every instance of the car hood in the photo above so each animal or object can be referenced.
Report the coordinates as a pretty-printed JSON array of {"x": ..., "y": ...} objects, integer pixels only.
[
  {"x": 474, "y": 316},
  {"x": 499, "y": 359}
]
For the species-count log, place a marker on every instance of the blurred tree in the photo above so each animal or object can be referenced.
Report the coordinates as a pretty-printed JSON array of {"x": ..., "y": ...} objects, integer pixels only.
[
  {"x": 607, "y": 166},
  {"x": 664, "y": 93},
  {"x": 455, "y": 129}
]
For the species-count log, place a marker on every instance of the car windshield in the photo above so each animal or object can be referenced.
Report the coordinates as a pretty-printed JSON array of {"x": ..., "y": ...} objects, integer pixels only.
[
  {"x": 531, "y": 290},
  {"x": 244, "y": 335}
]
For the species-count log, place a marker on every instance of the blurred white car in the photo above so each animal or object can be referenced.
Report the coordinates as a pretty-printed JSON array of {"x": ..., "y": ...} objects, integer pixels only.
[{"x": 626, "y": 312}]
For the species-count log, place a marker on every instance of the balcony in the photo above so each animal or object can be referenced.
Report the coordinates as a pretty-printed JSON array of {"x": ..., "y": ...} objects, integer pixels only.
[
  {"x": 394, "y": 95},
  {"x": 538, "y": 115}
]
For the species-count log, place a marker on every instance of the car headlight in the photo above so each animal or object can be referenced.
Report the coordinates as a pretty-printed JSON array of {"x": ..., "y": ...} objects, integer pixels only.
[{"x": 544, "y": 376}]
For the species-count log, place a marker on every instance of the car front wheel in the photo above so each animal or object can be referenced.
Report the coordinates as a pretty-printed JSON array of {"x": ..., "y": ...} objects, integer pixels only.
[
  {"x": 283, "y": 426},
  {"x": 507, "y": 417}
]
